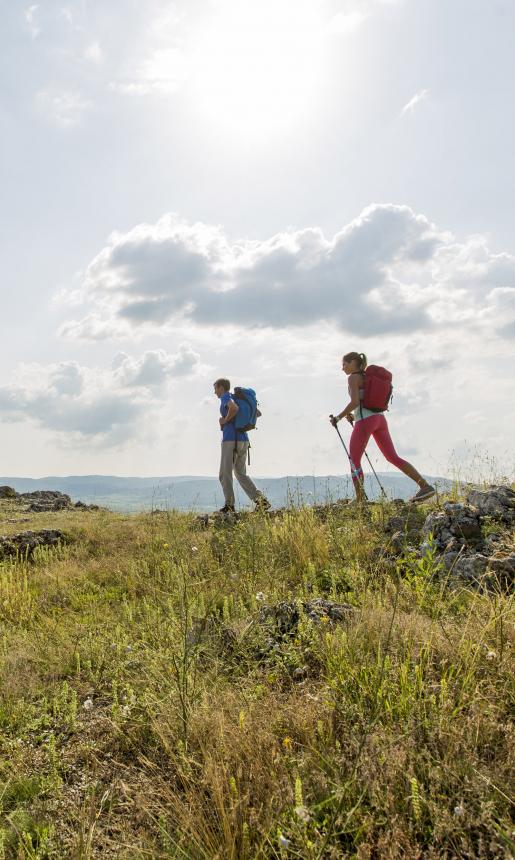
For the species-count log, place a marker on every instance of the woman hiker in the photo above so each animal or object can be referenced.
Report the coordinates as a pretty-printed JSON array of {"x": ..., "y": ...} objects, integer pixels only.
[{"x": 367, "y": 423}]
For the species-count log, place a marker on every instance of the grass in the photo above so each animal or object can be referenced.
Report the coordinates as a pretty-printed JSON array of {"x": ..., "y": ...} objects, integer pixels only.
[{"x": 147, "y": 711}]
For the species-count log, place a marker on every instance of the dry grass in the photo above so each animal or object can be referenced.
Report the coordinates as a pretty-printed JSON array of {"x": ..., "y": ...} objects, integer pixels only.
[{"x": 146, "y": 713}]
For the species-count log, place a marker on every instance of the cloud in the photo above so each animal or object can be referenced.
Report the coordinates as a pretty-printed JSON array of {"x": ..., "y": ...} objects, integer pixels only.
[
  {"x": 62, "y": 107},
  {"x": 30, "y": 16},
  {"x": 414, "y": 102},
  {"x": 94, "y": 406},
  {"x": 94, "y": 53},
  {"x": 389, "y": 271}
]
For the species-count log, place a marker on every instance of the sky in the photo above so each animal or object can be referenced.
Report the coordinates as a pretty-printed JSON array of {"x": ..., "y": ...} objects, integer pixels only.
[{"x": 247, "y": 189}]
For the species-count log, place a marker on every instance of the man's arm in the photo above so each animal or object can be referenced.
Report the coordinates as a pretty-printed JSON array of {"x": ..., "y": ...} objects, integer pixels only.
[{"x": 232, "y": 409}]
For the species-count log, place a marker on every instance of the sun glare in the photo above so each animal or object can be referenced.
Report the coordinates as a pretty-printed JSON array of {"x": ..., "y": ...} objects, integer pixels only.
[{"x": 257, "y": 66}]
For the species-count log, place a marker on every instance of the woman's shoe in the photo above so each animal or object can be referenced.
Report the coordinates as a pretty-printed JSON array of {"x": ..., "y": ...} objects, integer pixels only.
[{"x": 425, "y": 492}]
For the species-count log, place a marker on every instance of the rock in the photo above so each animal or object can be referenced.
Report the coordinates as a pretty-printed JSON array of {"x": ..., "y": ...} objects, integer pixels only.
[
  {"x": 402, "y": 541},
  {"x": 407, "y": 521},
  {"x": 41, "y": 501},
  {"x": 84, "y": 507},
  {"x": 496, "y": 501},
  {"x": 25, "y": 543},
  {"x": 457, "y": 523},
  {"x": 8, "y": 492},
  {"x": 471, "y": 568},
  {"x": 286, "y": 614},
  {"x": 503, "y": 569}
]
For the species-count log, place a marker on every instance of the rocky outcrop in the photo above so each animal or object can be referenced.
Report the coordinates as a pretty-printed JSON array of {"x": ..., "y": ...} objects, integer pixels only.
[
  {"x": 456, "y": 525},
  {"x": 24, "y": 543},
  {"x": 497, "y": 502},
  {"x": 43, "y": 501},
  {"x": 46, "y": 500},
  {"x": 285, "y": 616}
]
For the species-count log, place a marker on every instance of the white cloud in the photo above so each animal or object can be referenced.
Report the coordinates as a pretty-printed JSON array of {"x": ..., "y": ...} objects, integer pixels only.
[
  {"x": 30, "y": 16},
  {"x": 415, "y": 102},
  {"x": 92, "y": 405},
  {"x": 94, "y": 53},
  {"x": 388, "y": 271},
  {"x": 347, "y": 22},
  {"x": 62, "y": 107}
]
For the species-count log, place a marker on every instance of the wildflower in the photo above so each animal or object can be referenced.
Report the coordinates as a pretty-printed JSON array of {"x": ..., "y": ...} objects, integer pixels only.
[
  {"x": 166, "y": 546},
  {"x": 194, "y": 548},
  {"x": 287, "y": 743},
  {"x": 260, "y": 596},
  {"x": 87, "y": 704},
  {"x": 302, "y": 813},
  {"x": 283, "y": 842},
  {"x": 491, "y": 655},
  {"x": 324, "y": 619},
  {"x": 459, "y": 810}
]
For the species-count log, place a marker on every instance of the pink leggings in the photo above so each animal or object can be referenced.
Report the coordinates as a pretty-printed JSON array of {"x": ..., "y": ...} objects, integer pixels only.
[{"x": 376, "y": 426}]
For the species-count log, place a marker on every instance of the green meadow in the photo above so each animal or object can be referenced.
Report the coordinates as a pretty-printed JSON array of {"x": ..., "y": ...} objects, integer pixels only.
[{"x": 152, "y": 706}]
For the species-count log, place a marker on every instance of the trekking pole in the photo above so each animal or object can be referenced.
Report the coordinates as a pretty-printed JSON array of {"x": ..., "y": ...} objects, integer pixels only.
[
  {"x": 383, "y": 491},
  {"x": 354, "y": 471}
]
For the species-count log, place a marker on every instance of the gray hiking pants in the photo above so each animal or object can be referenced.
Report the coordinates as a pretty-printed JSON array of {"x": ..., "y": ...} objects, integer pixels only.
[{"x": 236, "y": 458}]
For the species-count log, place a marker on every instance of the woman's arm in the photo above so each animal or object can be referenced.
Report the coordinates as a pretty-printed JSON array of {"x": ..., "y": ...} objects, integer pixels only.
[{"x": 354, "y": 381}]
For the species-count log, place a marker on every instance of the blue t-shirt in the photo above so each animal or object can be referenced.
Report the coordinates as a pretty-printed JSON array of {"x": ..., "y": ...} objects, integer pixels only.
[{"x": 229, "y": 430}]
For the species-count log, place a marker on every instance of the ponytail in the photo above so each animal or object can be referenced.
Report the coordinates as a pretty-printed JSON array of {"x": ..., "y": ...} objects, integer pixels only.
[{"x": 359, "y": 357}]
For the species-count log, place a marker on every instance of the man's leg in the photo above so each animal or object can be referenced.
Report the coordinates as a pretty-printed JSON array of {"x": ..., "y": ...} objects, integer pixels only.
[
  {"x": 240, "y": 470},
  {"x": 225, "y": 476}
]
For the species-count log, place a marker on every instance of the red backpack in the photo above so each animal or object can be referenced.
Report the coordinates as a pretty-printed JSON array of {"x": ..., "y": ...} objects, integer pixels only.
[{"x": 377, "y": 388}]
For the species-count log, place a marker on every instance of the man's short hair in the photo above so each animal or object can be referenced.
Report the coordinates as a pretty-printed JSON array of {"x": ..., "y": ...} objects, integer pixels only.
[{"x": 226, "y": 385}]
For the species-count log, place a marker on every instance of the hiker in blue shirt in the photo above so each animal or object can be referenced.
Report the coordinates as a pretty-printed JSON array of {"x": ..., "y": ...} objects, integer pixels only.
[{"x": 235, "y": 447}]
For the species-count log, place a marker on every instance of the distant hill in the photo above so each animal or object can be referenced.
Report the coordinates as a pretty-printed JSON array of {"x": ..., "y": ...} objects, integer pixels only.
[{"x": 203, "y": 494}]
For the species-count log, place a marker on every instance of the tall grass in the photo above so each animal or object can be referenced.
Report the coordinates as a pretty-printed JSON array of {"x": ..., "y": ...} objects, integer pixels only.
[{"x": 150, "y": 708}]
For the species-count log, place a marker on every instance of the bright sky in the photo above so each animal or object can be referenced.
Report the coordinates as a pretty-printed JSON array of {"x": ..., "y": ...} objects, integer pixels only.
[{"x": 249, "y": 189}]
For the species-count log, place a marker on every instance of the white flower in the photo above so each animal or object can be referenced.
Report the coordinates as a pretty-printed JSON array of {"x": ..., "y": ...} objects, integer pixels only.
[
  {"x": 260, "y": 596},
  {"x": 302, "y": 813},
  {"x": 491, "y": 655},
  {"x": 459, "y": 810},
  {"x": 194, "y": 548},
  {"x": 283, "y": 842},
  {"x": 87, "y": 704}
]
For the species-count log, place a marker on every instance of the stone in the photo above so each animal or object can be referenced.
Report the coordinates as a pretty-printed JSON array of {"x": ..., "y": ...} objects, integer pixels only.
[
  {"x": 8, "y": 492},
  {"x": 471, "y": 568},
  {"x": 503, "y": 570},
  {"x": 24, "y": 543},
  {"x": 457, "y": 523},
  {"x": 496, "y": 501},
  {"x": 286, "y": 614},
  {"x": 41, "y": 501}
]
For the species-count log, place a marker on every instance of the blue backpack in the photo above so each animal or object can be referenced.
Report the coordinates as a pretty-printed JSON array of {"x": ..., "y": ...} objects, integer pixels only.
[{"x": 248, "y": 412}]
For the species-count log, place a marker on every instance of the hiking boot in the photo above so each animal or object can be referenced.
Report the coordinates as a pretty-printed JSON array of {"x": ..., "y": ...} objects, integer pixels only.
[
  {"x": 227, "y": 509},
  {"x": 425, "y": 492},
  {"x": 261, "y": 503}
]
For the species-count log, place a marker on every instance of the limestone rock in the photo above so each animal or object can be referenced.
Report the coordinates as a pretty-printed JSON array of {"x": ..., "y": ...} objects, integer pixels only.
[
  {"x": 458, "y": 523},
  {"x": 46, "y": 500},
  {"x": 286, "y": 614},
  {"x": 471, "y": 568},
  {"x": 496, "y": 501},
  {"x": 25, "y": 543}
]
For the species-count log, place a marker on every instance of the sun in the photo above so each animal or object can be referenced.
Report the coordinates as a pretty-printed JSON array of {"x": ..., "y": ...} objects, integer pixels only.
[{"x": 257, "y": 66}]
